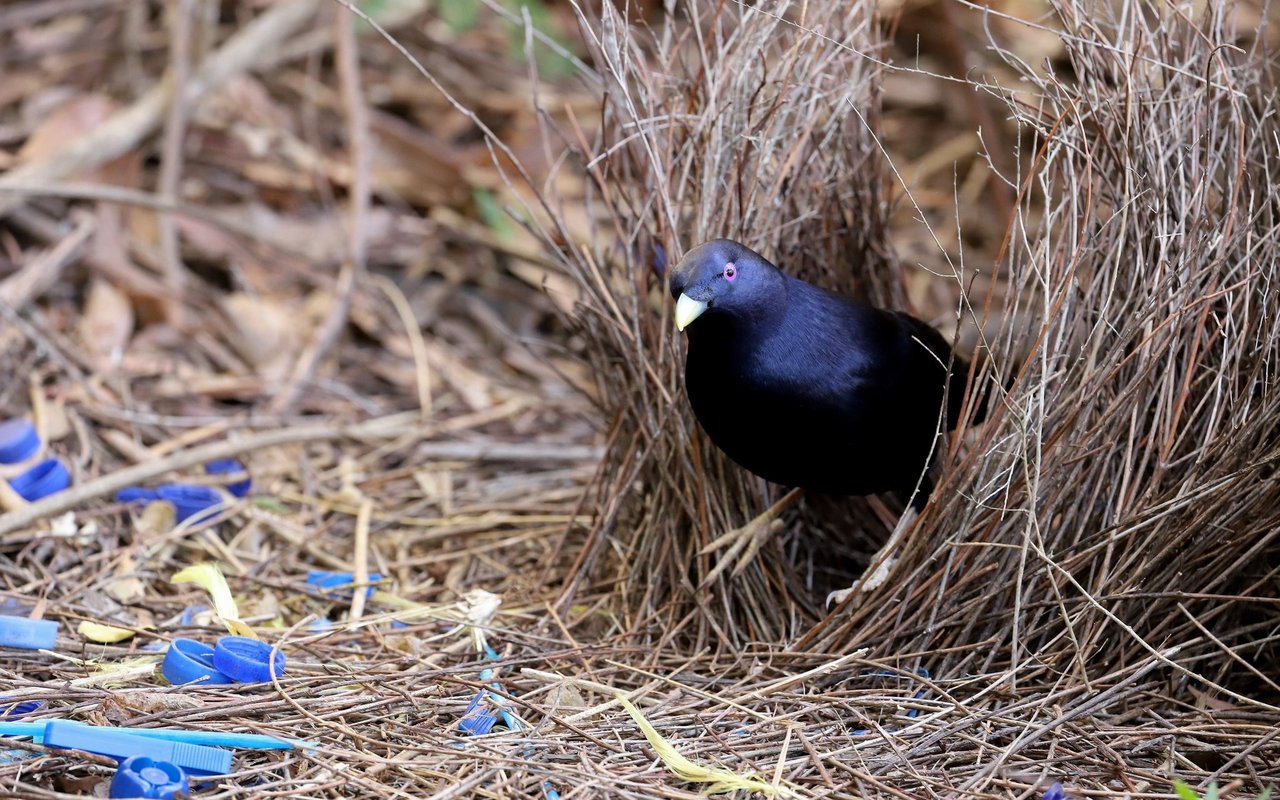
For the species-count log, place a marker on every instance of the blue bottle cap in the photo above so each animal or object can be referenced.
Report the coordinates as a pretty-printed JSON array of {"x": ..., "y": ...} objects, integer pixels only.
[
  {"x": 189, "y": 501},
  {"x": 247, "y": 660},
  {"x": 42, "y": 480},
  {"x": 145, "y": 777},
  {"x": 190, "y": 662},
  {"x": 225, "y": 466},
  {"x": 28, "y": 634},
  {"x": 338, "y": 584},
  {"x": 18, "y": 440},
  {"x": 120, "y": 744}
]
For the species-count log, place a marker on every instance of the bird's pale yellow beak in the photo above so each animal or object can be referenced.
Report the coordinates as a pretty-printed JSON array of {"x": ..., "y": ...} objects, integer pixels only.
[{"x": 687, "y": 310}]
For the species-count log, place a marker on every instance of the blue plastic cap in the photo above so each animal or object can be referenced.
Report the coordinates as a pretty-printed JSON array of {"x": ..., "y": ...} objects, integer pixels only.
[
  {"x": 1056, "y": 792},
  {"x": 18, "y": 440},
  {"x": 247, "y": 660},
  {"x": 227, "y": 466},
  {"x": 338, "y": 584},
  {"x": 42, "y": 480},
  {"x": 190, "y": 662},
  {"x": 28, "y": 634},
  {"x": 123, "y": 745},
  {"x": 145, "y": 777}
]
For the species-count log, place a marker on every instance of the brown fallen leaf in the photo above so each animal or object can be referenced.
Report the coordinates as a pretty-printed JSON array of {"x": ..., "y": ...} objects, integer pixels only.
[{"x": 106, "y": 323}]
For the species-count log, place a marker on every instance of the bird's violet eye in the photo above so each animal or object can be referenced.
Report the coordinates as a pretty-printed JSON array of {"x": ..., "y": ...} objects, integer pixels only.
[{"x": 730, "y": 271}]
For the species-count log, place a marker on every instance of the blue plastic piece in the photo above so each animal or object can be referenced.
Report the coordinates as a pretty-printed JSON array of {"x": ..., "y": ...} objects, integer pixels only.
[
  {"x": 18, "y": 440},
  {"x": 188, "y": 501},
  {"x": 1056, "y": 792},
  {"x": 16, "y": 710},
  {"x": 46, "y": 478},
  {"x": 338, "y": 584},
  {"x": 251, "y": 741},
  {"x": 247, "y": 660},
  {"x": 145, "y": 777},
  {"x": 28, "y": 634},
  {"x": 190, "y": 662},
  {"x": 225, "y": 466},
  {"x": 122, "y": 744}
]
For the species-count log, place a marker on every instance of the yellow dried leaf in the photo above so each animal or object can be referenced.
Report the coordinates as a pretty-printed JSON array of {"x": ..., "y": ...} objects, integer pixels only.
[
  {"x": 210, "y": 578},
  {"x": 104, "y": 634},
  {"x": 716, "y": 780}
]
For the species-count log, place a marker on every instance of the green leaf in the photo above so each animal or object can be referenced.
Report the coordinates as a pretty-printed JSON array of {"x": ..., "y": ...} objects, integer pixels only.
[
  {"x": 1184, "y": 791},
  {"x": 491, "y": 212}
]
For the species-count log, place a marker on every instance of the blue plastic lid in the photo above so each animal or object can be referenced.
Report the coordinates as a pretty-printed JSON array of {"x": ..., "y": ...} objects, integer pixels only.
[
  {"x": 246, "y": 660},
  {"x": 141, "y": 776},
  {"x": 28, "y": 634},
  {"x": 123, "y": 745},
  {"x": 190, "y": 662},
  {"x": 42, "y": 480},
  {"x": 338, "y": 584},
  {"x": 18, "y": 440},
  {"x": 225, "y": 466}
]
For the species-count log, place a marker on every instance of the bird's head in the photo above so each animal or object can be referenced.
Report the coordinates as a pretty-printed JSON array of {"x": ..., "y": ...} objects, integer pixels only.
[{"x": 722, "y": 277}]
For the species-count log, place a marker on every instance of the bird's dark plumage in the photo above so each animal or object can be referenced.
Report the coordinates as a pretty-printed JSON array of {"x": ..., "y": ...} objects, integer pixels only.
[{"x": 805, "y": 387}]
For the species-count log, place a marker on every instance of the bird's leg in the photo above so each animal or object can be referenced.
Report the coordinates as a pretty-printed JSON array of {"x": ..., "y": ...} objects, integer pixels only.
[
  {"x": 749, "y": 537},
  {"x": 881, "y": 563}
]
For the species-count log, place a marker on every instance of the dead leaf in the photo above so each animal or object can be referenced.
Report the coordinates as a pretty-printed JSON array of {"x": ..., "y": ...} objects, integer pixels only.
[
  {"x": 263, "y": 332},
  {"x": 106, "y": 323}
]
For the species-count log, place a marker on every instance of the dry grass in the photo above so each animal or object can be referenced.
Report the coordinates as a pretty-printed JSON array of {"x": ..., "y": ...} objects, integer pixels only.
[{"x": 1090, "y": 596}]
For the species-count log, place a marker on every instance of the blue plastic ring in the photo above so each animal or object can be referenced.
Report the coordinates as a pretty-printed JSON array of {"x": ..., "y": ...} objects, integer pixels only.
[
  {"x": 247, "y": 660},
  {"x": 46, "y": 478},
  {"x": 18, "y": 440},
  {"x": 190, "y": 662},
  {"x": 141, "y": 776}
]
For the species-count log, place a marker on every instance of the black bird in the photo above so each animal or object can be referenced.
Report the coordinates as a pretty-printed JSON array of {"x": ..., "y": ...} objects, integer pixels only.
[{"x": 807, "y": 388}]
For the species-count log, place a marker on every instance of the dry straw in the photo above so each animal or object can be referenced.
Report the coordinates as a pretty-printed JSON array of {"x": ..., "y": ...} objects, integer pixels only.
[{"x": 1096, "y": 576}]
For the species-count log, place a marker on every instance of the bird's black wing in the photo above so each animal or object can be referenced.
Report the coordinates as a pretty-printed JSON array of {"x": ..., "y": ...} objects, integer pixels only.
[{"x": 937, "y": 349}]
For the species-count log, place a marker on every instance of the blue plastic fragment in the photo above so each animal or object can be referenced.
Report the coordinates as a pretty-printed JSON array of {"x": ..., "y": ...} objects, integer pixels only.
[
  {"x": 247, "y": 660},
  {"x": 48, "y": 477},
  {"x": 477, "y": 721},
  {"x": 339, "y": 584},
  {"x": 122, "y": 744},
  {"x": 28, "y": 634},
  {"x": 141, "y": 776},
  {"x": 229, "y": 466},
  {"x": 188, "y": 501},
  {"x": 550, "y": 791},
  {"x": 17, "y": 710},
  {"x": 18, "y": 440},
  {"x": 1055, "y": 792},
  {"x": 190, "y": 662},
  {"x": 251, "y": 741}
]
